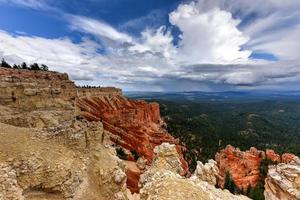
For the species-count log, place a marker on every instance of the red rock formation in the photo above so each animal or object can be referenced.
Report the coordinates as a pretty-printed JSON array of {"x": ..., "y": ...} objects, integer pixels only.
[
  {"x": 243, "y": 166},
  {"x": 287, "y": 157},
  {"x": 273, "y": 156},
  {"x": 133, "y": 174},
  {"x": 136, "y": 125}
]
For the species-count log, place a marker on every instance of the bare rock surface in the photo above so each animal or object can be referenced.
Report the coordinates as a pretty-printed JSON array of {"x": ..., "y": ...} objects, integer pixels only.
[
  {"x": 39, "y": 168},
  {"x": 283, "y": 181},
  {"x": 244, "y": 166},
  {"x": 135, "y": 126},
  {"x": 163, "y": 182},
  {"x": 207, "y": 172}
]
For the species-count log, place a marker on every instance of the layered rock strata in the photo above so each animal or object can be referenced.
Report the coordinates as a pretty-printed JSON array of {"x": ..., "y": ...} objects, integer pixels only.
[
  {"x": 244, "y": 166},
  {"x": 163, "y": 182},
  {"x": 135, "y": 125},
  {"x": 283, "y": 181},
  {"x": 46, "y": 150},
  {"x": 39, "y": 164},
  {"x": 25, "y": 96},
  {"x": 50, "y": 102}
]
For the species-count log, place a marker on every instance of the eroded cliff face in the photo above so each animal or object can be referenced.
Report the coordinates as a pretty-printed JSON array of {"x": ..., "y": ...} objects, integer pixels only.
[
  {"x": 283, "y": 181},
  {"x": 163, "y": 182},
  {"x": 35, "y": 99},
  {"x": 244, "y": 166},
  {"x": 46, "y": 150},
  {"x": 49, "y": 105},
  {"x": 135, "y": 125},
  {"x": 57, "y": 143},
  {"x": 60, "y": 163}
]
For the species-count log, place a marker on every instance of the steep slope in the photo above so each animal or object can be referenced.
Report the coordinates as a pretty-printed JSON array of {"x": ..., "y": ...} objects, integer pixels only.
[
  {"x": 41, "y": 165},
  {"x": 135, "y": 125},
  {"x": 35, "y": 99},
  {"x": 46, "y": 150},
  {"x": 163, "y": 182},
  {"x": 245, "y": 166},
  {"x": 283, "y": 181},
  {"x": 47, "y": 101}
]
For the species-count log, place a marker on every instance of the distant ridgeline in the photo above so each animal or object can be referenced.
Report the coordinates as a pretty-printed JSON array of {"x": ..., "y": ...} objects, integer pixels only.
[{"x": 34, "y": 66}]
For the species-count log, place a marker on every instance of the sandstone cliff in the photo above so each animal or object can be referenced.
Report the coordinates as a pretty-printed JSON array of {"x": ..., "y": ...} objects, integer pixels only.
[
  {"x": 58, "y": 164},
  {"x": 57, "y": 143},
  {"x": 283, "y": 181},
  {"x": 26, "y": 95},
  {"x": 46, "y": 150},
  {"x": 48, "y": 102},
  {"x": 135, "y": 125}
]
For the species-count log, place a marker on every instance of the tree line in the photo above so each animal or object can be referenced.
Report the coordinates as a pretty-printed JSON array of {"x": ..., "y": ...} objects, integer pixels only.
[
  {"x": 34, "y": 66},
  {"x": 88, "y": 86}
]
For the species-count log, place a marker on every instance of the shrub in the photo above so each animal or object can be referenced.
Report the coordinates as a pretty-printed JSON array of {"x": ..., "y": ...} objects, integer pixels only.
[
  {"x": 135, "y": 154},
  {"x": 121, "y": 153}
]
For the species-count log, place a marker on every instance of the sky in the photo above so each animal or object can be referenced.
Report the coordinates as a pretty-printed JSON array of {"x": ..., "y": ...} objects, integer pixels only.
[{"x": 159, "y": 45}]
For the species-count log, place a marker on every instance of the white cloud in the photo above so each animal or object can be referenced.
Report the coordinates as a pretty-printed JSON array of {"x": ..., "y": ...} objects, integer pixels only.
[
  {"x": 158, "y": 41},
  {"x": 100, "y": 29},
  {"x": 34, "y": 4},
  {"x": 213, "y": 49},
  {"x": 274, "y": 27},
  {"x": 209, "y": 37},
  {"x": 284, "y": 44},
  {"x": 61, "y": 54}
]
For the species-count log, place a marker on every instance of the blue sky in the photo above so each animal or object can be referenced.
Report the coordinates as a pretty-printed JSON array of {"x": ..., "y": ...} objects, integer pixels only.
[{"x": 154, "y": 45}]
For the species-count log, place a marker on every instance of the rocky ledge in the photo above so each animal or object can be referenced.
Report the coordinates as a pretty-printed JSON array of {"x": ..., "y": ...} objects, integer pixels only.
[
  {"x": 39, "y": 99},
  {"x": 283, "y": 181},
  {"x": 135, "y": 126},
  {"x": 162, "y": 181}
]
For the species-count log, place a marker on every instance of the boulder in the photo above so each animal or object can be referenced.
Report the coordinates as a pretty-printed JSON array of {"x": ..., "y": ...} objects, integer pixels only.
[{"x": 207, "y": 172}]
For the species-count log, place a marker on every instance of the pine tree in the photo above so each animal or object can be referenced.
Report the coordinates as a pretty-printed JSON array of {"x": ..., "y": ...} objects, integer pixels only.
[
  {"x": 24, "y": 65},
  {"x": 5, "y": 64},
  {"x": 35, "y": 66},
  {"x": 16, "y": 66},
  {"x": 44, "y": 67},
  {"x": 229, "y": 183}
]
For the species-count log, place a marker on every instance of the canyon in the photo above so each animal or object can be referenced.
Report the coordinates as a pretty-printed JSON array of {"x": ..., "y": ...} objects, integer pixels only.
[
  {"x": 244, "y": 166},
  {"x": 60, "y": 141}
]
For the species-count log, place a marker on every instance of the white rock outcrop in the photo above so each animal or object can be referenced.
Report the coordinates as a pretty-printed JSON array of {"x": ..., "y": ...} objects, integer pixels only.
[
  {"x": 207, "y": 172},
  {"x": 163, "y": 182},
  {"x": 283, "y": 181}
]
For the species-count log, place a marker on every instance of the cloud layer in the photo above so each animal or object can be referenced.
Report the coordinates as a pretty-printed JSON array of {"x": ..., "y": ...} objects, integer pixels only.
[{"x": 216, "y": 41}]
